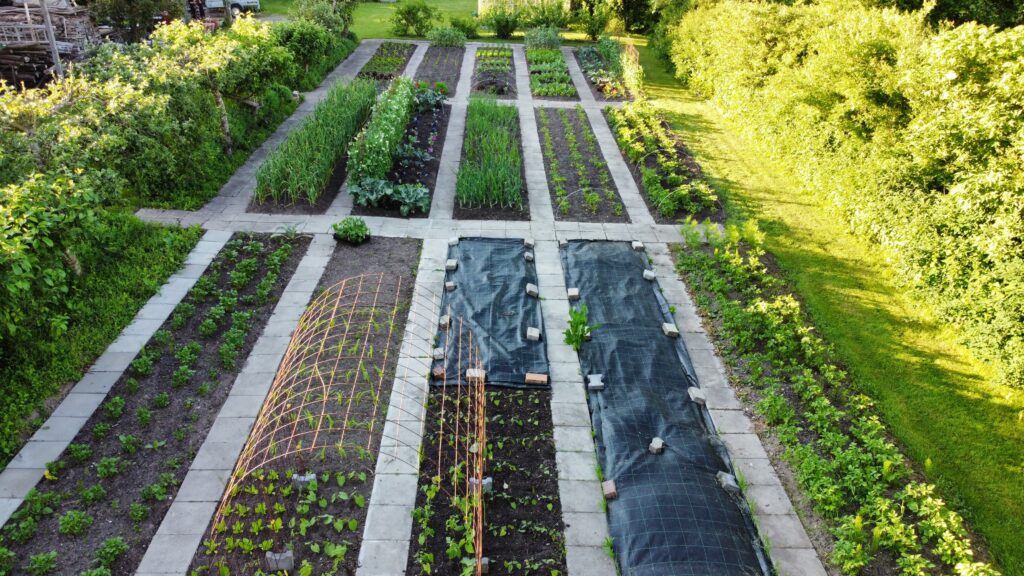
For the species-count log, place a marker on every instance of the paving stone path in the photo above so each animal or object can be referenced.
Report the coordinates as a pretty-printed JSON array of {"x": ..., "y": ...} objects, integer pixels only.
[{"x": 388, "y": 525}]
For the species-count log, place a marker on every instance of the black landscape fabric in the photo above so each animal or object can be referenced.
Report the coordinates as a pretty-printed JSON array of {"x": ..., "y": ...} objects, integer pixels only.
[
  {"x": 671, "y": 516},
  {"x": 490, "y": 303}
]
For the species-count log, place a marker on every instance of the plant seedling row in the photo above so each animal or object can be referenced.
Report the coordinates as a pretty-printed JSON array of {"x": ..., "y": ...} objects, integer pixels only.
[
  {"x": 119, "y": 476},
  {"x": 523, "y": 527},
  {"x": 495, "y": 72},
  {"x": 329, "y": 430},
  {"x": 580, "y": 185},
  {"x": 387, "y": 62}
]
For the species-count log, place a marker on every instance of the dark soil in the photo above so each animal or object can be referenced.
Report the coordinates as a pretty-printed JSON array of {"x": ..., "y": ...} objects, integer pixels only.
[
  {"x": 174, "y": 433},
  {"x": 683, "y": 153},
  {"x": 500, "y": 84},
  {"x": 370, "y": 334},
  {"x": 441, "y": 64},
  {"x": 598, "y": 95},
  {"x": 523, "y": 529},
  {"x": 324, "y": 202},
  {"x": 424, "y": 126},
  {"x": 598, "y": 179}
]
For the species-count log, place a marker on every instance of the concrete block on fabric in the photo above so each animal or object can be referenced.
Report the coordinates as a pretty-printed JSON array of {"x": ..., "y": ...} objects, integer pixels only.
[
  {"x": 649, "y": 275},
  {"x": 573, "y": 294},
  {"x": 532, "y": 290},
  {"x": 696, "y": 395},
  {"x": 451, "y": 265},
  {"x": 533, "y": 334},
  {"x": 670, "y": 330},
  {"x": 609, "y": 490}
]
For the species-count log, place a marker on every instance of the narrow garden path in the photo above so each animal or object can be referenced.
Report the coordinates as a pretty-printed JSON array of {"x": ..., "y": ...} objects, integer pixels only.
[{"x": 388, "y": 526}]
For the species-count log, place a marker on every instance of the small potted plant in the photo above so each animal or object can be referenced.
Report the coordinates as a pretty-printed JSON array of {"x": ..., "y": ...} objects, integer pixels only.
[{"x": 351, "y": 230}]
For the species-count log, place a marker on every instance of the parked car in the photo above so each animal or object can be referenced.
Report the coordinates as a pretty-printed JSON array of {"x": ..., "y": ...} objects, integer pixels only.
[{"x": 236, "y": 5}]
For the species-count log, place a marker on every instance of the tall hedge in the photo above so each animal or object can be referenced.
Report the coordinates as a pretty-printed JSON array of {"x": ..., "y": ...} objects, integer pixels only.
[{"x": 916, "y": 135}]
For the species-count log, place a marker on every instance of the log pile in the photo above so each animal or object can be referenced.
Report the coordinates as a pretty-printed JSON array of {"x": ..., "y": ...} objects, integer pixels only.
[{"x": 24, "y": 51}]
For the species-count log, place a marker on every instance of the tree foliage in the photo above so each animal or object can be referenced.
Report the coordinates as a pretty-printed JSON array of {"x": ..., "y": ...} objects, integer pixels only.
[{"x": 916, "y": 135}]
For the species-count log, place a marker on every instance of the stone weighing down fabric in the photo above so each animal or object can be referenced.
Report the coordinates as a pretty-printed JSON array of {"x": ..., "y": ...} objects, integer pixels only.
[
  {"x": 490, "y": 300},
  {"x": 670, "y": 516}
]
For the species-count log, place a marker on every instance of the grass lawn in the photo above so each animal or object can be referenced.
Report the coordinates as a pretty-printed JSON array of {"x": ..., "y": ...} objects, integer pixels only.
[
  {"x": 935, "y": 398},
  {"x": 278, "y": 7}
]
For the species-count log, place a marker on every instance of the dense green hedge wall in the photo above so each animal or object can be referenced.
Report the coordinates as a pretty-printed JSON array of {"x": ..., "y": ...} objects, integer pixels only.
[{"x": 916, "y": 135}]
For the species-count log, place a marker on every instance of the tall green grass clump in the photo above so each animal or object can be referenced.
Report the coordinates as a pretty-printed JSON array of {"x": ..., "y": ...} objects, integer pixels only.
[
  {"x": 492, "y": 164},
  {"x": 300, "y": 168},
  {"x": 373, "y": 152}
]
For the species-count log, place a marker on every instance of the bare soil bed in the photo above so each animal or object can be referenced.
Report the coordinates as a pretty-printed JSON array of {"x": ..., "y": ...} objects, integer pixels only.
[
  {"x": 441, "y": 64},
  {"x": 523, "y": 528},
  {"x": 322, "y": 523},
  {"x": 579, "y": 182},
  {"x": 119, "y": 476}
]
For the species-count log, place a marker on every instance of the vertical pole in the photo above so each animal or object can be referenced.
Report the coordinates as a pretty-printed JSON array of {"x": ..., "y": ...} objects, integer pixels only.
[
  {"x": 52, "y": 39},
  {"x": 188, "y": 14}
]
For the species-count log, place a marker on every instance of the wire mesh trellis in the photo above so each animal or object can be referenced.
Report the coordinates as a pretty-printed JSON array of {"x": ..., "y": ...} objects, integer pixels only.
[{"x": 344, "y": 402}]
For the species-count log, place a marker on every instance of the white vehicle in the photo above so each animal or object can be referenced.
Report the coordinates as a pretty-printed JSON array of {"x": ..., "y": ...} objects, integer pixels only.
[{"x": 236, "y": 5}]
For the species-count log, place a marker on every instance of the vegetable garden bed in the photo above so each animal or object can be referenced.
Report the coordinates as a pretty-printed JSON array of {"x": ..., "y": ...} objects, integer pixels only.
[
  {"x": 578, "y": 179},
  {"x": 388, "y": 62},
  {"x": 495, "y": 72},
  {"x": 408, "y": 187},
  {"x": 306, "y": 172},
  {"x": 549, "y": 75},
  {"x": 491, "y": 181},
  {"x": 523, "y": 532},
  {"x": 612, "y": 70},
  {"x": 102, "y": 501},
  {"x": 671, "y": 181},
  {"x": 328, "y": 425},
  {"x": 441, "y": 68}
]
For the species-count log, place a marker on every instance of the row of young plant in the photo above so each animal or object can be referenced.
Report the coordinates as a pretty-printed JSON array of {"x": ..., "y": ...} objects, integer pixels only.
[
  {"x": 588, "y": 177},
  {"x": 613, "y": 68},
  {"x": 491, "y": 172},
  {"x": 877, "y": 508},
  {"x": 384, "y": 145},
  {"x": 523, "y": 532},
  {"x": 148, "y": 430},
  {"x": 672, "y": 186},
  {"x": 549, "y": 72},
  {"x": 299, "y": 169}
]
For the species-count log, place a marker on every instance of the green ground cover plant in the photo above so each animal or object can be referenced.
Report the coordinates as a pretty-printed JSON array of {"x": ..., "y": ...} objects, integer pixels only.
[
  {"x": 317, "y": 50},
  {"x": 492, "y": 163},
  {"x": 352, "y": 230},
  {"x": 854, "y": 476},
  {"x": 913, "y": 133},
  {"x": 549, "y": 73},
  {"x": 299, "y": 169},
  {"x": 671, "y": 185},
  {"x": 81, "y": 292},
  {"x": 387, "y": 61},
  {"x": 447, "y": 37}
]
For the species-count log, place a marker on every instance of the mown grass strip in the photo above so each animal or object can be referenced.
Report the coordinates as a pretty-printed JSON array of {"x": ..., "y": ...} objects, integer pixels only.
[
  {"x": 491, "y": 173},
  {"x": 300, "y": 168}
]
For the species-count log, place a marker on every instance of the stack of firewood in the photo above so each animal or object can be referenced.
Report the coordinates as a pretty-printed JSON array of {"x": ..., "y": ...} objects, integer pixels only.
[{"x": 24, "y": 50}]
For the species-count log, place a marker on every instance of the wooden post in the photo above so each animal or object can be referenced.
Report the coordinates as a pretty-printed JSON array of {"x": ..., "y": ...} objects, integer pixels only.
[{"x": 51, "y": 38}]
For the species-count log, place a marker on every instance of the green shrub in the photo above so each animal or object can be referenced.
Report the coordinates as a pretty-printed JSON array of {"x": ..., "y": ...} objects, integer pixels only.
[
  {"x": 447, "y": 37},
  {"x": 335, "y": 15},
  {"x": 372, "y": 153},
  {"x": 491, "y": 170},
  {"x": 315, "y": 49},
  {"x": 544, "y": 14},
  {"x": 543, "y": 37},
  {"x": 914, "y": 134},
  {"x": 468, "y": 26},
  {"x": 503, "y": 19},
  {"x": 413, "y": 18},
  {"x": 300, "y": 167},
  {"x": 352, "y": 230}
]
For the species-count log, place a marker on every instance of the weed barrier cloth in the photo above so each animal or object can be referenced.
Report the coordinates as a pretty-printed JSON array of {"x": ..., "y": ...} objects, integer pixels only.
[
  {"x": 671, "y": 515},
  {"x": 491, "y": 306}
]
